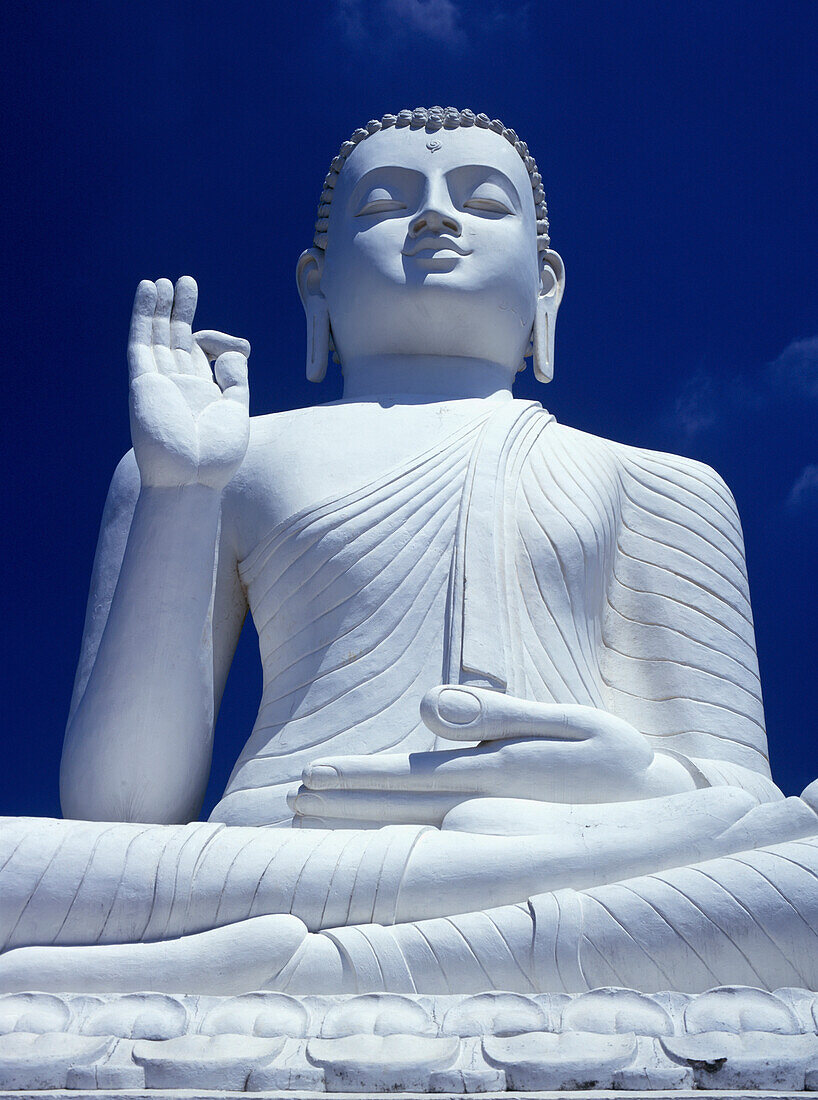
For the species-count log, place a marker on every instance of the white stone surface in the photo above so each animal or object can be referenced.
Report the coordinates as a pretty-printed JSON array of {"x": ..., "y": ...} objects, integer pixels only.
[
  {"x": 511, "y": 701},
  {"x": 307, "y": 1094},
  {"x": 728, "y": 1038}
]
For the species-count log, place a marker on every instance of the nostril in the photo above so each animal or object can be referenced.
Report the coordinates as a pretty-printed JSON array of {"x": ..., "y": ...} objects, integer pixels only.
[
  {"x": 419, "y": 224},
  {"x": 451, "y": 224}
]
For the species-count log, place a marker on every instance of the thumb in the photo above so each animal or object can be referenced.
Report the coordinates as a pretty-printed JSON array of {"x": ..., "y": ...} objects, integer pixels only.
[{"x": 230, "y": 372}]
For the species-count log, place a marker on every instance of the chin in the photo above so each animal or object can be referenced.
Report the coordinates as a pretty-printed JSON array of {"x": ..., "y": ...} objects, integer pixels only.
[{"x": 458, "y": 310}]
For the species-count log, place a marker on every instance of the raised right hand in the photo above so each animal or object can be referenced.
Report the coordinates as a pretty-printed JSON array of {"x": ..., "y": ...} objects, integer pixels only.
[{"x": 189, "y": 424}]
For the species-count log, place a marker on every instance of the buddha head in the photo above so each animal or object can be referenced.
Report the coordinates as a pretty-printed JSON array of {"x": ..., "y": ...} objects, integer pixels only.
[{"x": 432, "y": 240}]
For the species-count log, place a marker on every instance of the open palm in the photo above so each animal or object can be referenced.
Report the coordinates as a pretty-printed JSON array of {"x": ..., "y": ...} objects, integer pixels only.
[{"x": 189, "y": 423}]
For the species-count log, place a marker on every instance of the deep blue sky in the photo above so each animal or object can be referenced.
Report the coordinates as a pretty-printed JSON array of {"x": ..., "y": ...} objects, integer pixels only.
[{"x": 678, "y": 145}]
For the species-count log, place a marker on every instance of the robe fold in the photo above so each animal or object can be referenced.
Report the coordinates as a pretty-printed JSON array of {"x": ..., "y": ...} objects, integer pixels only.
[
  {"x": 521, "y": 555},
  {"x": 525, "y": 557}
]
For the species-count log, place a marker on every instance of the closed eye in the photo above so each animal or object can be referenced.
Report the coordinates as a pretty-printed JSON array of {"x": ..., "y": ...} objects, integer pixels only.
[
  {"x": 380, "y": 206},
  {"x": 490, "y": 206}
]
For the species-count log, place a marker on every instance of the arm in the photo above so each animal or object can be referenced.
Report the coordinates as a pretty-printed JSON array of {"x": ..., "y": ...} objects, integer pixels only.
[
  {"x": 229, "y": 600},
  {"x": 139, "y": 738},
  {"x": 679, "y": 646}
]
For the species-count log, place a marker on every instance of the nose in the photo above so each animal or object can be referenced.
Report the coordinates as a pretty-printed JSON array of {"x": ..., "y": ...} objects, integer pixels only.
[{"x": 437, "y": 215}]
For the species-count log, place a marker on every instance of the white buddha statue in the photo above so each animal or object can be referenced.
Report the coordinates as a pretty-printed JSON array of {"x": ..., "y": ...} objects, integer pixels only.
[{"x": 511, "y": 698}]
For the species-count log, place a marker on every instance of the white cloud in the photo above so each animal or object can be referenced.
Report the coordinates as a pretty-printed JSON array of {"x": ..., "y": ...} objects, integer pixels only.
[
  {"x": 765, "y": 398},
  {"x": 796, "y": 368},
  {"x": 364, "y": 22},
  {"x": 350, "y": 16},
  {"x": 707, "y": 400},
  {"x": 695, "y": 409},
  {"x": 795, "y": 371},
  {"x": 438, "y": 19},
  {"x": 804, "y": 493}
]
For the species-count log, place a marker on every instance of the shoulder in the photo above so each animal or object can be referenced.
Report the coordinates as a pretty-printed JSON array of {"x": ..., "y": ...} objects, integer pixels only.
[
  {"x": 269, "y": 435},
  {"x": 657, "y": 471},
  {"x": 685, "y": 480},
  {"x": 280, "y": 431},
  {"x": 266, "y": 489},
  {"x": 271, "y": 427}
]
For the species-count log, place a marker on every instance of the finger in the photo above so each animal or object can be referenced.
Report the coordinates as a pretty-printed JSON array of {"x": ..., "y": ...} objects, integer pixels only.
[
  {"x": 462, "y": 713},
  {"x": 161, "y": 327},
  {"x": 161, "y": 317},
  {"x": 447, "y": 771},
  {"x": 378, "y": 807},
  {"x": 214, "y": 344},
  {"x": 196, "y": 362},
  {"x": 364, "y": 772},
  {"x": 230, "y": 372},
  {"x": 185, "y": 296},
  {"x": 140, "y": 357},
  {"x": 333, "y": 824},
  {"x": 511, "y": 767}
]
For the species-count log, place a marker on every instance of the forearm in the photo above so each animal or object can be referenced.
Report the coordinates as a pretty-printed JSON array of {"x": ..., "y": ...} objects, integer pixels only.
[{"x": 138, "y": 746}]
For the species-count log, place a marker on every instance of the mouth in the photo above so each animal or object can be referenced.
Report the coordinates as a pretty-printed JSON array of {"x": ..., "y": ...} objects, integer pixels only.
[{"x": 436, "y": 244}]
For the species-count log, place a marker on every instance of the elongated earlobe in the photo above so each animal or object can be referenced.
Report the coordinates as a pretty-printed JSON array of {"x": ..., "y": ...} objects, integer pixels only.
[
  {"x": 317, "y": 339},
  {"x": 543, "y": 343},
  {"x": 308, "y": 277},
  {"x": 545, "y": 317}
]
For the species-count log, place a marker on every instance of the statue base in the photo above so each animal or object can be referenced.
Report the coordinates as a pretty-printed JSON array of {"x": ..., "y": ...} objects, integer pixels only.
[
  {"x": 220, "y": 1094},
  {"x": 734, "y": 1039}
]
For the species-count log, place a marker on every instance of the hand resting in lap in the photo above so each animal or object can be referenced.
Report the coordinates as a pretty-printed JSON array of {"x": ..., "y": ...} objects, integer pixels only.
[{"x": 544, "y": 752}]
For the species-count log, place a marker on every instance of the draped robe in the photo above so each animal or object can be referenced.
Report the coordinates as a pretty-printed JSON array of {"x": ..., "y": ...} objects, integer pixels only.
[
  {"x": 523, "y": 556},
  {"x": 518, "y": 554}
]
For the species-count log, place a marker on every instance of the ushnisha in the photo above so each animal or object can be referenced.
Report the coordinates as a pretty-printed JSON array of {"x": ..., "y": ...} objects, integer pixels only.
[{"x": 511, "y": 732}]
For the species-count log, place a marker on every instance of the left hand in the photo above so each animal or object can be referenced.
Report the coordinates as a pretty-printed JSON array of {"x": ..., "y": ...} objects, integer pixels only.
[{"x": 547, "y": 752}]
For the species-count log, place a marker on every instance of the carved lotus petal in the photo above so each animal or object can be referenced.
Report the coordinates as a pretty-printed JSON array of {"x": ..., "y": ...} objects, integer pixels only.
[
  {"x": 137, "y": 1016},
  {"x": 204, "y": 1061},
  {"x": 754, "y": 1060},
  {"x": 542, "y": 1061},
  {"x": 376, "y": 1014},
  {"x": 381, "y": 1062},
  {"x": 44, "y": 1061},
  {"x": 260, "y": 1014},
  {"x": 739, "y": 1008},
  {"x": 33, "y": 1012},
  {"x": 495, "y": 1014},
  {"x": 614, "y": 1011}
]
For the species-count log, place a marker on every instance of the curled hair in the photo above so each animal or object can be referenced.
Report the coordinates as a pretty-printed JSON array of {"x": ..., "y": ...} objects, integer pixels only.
[{"x": 432, "y": 119}]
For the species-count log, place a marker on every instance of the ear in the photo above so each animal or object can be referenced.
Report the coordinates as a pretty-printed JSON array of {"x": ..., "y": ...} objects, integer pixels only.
[
  {"x": 308, "y": 274},
  {"x": 552, "y": 286}
]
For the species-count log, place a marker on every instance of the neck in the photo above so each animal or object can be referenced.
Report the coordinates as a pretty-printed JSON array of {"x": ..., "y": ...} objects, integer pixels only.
[{"x": 425, "y": 377}]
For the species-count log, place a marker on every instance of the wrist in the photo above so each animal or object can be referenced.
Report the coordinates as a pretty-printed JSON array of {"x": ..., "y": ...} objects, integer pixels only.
[
  {"x": 193, "y": 497},
  {"x": 186, "y": 515}
]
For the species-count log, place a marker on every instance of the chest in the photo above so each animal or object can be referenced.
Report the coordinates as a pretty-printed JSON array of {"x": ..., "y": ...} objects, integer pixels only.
[{"x": 300, "y": 461}]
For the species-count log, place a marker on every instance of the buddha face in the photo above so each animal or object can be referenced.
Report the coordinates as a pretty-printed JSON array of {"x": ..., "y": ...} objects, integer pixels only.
[{"x": 432, "y": 248}]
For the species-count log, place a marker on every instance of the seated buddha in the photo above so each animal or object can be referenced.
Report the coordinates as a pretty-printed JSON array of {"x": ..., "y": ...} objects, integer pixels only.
[{"x": 511, "y": 733}]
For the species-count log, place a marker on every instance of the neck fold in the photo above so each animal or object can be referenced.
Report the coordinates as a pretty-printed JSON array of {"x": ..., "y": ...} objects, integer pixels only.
[{"x": 425, "y": 377}]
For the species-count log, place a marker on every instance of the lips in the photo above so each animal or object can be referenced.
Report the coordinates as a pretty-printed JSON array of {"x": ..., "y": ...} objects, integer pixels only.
[{"x": 436, "y": 244}]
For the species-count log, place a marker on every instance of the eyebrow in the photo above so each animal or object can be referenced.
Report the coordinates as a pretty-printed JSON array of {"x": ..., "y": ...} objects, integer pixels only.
[
  {"x": 367, "y": 178},
  {"x": 505, "y": 182}
]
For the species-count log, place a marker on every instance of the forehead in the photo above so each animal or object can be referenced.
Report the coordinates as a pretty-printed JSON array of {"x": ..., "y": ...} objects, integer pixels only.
[{"x": 409, "y": 148}]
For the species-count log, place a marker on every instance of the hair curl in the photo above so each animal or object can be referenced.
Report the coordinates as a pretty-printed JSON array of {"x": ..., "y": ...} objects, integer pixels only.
[{"x": 433, "y": 119}]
